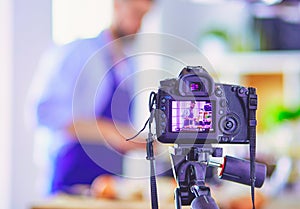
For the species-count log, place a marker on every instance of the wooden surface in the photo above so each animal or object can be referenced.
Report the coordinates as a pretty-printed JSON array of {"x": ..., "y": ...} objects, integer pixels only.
[{"x": 69, "y": 202}]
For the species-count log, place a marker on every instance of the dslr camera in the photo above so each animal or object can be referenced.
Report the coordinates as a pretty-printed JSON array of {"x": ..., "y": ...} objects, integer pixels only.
[{"x": 193, "y": 109}]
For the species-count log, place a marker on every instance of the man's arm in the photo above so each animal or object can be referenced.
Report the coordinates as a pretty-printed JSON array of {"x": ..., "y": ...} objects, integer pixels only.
[{"x": 105, "y": 131}]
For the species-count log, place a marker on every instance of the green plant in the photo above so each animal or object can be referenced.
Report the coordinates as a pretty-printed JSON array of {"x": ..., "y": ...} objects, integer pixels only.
[{"x": 276, "y": 114}]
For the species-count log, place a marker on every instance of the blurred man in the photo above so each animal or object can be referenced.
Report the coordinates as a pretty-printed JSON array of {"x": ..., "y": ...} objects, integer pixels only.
[
  {"x": 85, "y": 104},
  {"x": 189, "y": 116}
]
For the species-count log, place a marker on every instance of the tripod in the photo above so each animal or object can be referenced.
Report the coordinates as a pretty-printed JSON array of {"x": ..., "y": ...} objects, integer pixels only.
[
  {"x": 189, "y": 168},
  {"x": 189, "y": 164}
]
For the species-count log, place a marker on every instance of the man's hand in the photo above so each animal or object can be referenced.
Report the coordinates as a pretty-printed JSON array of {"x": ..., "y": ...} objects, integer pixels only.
[{"x": 107, "y": 132}]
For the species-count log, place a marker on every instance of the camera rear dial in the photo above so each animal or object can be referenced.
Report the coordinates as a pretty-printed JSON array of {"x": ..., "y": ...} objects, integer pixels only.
[{"x": 230, "y": 124}]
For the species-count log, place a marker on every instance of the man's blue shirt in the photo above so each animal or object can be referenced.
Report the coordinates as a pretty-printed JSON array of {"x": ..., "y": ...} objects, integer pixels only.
[{"x": 85, "y": 81}]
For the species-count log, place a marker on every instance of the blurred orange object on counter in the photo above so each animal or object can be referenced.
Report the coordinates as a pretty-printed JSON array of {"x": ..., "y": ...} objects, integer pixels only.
[
  {"x": 115, "y": 187},
  {"x": 104, "y": 186},
  {"x": 244, "y": 202}
]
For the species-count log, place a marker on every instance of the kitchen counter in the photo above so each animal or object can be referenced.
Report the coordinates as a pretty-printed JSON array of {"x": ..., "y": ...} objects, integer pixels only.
[{"x": 74, "y": 202}]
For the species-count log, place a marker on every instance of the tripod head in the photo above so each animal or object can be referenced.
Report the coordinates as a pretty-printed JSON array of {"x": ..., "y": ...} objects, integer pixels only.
[{"x": 189, "y": 163}]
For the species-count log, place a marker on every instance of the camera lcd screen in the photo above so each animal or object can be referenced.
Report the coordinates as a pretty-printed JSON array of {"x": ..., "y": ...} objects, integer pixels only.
[{"x": 192, "y": 116}]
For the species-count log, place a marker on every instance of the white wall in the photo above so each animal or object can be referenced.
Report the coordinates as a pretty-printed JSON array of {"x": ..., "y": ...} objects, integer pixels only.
[
  {"x": 192, "y": 19},
  {"x": 5, "y": 100},
  {"x": 31, "y": 36}
]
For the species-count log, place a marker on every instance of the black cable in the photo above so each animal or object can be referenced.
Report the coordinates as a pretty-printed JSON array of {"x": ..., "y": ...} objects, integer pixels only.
[
  {"x": 152, "y": 101},
  {"x": 153, "y": 185},
  {"x": 145, "y": 125},
  {"x": 150, "y": 153}
]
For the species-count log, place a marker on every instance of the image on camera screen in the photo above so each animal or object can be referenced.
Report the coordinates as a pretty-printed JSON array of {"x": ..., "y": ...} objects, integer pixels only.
[{"x": 191, "y": 116}]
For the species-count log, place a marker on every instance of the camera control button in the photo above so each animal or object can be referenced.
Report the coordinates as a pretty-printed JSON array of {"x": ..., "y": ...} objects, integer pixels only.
[
  {"x": 218, "y": 91},
  {"x": 163, "y": 100},
  {"x": 221, "y": 112},
  {"x": 224, "y": 139},
  {"x": 242, "y": 91},
  {"x": 229, "y": 125},
  {"x": 223, "y": 103},
  {"x": 163, "y": 108}
]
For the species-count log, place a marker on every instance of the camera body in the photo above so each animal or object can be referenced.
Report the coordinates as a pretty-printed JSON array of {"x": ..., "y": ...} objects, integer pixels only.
[{"x": 193, "y": 109}]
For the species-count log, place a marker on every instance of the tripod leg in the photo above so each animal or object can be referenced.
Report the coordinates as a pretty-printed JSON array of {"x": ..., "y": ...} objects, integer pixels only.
[{"x": 177, "y": 198}]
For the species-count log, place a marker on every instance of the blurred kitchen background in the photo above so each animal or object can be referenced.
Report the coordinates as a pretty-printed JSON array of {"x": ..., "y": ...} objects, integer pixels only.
[{"x": 250, "y": 42}]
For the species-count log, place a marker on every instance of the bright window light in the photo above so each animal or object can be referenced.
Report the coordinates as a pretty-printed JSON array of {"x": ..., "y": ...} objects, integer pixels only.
[{"x": 73, "y": 19}]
